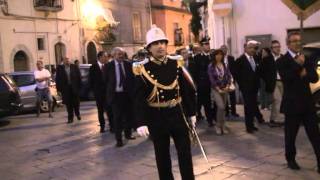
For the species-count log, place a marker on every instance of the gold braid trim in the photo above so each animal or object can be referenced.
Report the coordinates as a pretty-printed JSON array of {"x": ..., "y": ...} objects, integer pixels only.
[
  {"x": 171, "y": 103},
  {"x": 155, "y": 82}
]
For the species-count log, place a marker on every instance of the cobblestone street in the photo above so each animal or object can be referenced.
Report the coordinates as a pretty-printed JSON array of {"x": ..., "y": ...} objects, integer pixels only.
[{"x": 43, "y": 148}]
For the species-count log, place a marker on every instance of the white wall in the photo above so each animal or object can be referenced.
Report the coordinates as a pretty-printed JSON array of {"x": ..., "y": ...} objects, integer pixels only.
[
  {"x": 27, "y": 30},
  {"x": 256, "y": 17}
]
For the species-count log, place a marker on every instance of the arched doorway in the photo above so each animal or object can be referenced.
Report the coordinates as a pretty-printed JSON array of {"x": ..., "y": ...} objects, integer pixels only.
[
  {"x": 60, "y": 51},
  {"x": 20, "y": 61},
  {"x": 91, "y": 53}
]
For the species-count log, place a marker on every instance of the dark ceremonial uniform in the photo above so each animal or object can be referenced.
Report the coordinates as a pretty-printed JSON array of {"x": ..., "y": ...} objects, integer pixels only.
[
  {"x": 201, "y": 77},
  {"x": 163, "y": 89}
]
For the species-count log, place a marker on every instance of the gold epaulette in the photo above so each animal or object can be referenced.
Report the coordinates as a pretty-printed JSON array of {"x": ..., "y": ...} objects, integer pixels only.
[
  {"x": 179, "y": 60},
  {"x": 138, "y": 66}
]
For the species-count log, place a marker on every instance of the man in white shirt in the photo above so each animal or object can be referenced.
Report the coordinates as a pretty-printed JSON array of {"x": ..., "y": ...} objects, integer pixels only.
[
  {"x": 278, "y": 89},
  {"x": 273, "y": 82},
  {"x": 42, "y": 77}
]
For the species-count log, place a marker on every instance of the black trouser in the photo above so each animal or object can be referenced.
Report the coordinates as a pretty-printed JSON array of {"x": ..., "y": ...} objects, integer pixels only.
[
  {"x": 204, "y": 99},
  {"x": 292, "y": 124},
  {"x": 166, "y": 123},
  {"x": 101, "y": 106},
  {"x": 72, "y": 103},
  {"x": 251, "y": 108},
  {"x": 110, "y": 117},
  {"x": 232, "y": 105},
  {"x": 122, "y": 120}
]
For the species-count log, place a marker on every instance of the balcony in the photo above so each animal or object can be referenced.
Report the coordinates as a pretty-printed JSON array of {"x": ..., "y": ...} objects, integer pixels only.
[{"x": 48, "y": 5}]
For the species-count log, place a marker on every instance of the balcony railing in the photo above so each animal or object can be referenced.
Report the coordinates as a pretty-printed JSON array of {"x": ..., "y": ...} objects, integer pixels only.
[{"x": 48, "y": 5}]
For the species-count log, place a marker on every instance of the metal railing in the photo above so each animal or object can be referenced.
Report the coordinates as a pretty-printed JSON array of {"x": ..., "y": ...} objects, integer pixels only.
[{"x": 48, "y": 5}]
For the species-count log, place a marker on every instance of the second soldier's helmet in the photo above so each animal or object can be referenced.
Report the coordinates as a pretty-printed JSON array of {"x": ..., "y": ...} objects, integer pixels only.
[
  {"x": 205, "y": 40},
  {"x": 155, "y": 34}
]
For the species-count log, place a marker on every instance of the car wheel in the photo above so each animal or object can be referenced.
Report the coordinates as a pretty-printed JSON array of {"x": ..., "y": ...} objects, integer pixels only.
[
  {"x": 316, "y": 98},
  {"x": 44, "y": 106}
]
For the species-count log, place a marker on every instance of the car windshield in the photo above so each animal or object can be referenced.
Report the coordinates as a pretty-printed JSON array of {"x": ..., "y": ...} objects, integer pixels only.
[
  {"x": 3, "y": 84},
  {"x": 10, "y": 81},
  {"x": 24, "y": 79}
]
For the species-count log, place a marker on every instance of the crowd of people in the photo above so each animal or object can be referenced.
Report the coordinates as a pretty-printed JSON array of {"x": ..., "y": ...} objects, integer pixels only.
[{"x": 163, "y": 95}]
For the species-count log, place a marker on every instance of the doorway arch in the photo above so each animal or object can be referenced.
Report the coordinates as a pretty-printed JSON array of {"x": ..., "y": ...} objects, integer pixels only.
[
  {"x": 20, "y": 61},
  {"x": 60, "y": 52}
]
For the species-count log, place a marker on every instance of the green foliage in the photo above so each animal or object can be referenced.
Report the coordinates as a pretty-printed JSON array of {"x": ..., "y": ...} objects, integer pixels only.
[{"x": 304, "y": 4}]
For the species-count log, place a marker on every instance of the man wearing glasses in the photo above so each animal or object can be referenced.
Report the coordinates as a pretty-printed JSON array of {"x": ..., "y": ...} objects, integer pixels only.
[{"x": 296, "y": 73}]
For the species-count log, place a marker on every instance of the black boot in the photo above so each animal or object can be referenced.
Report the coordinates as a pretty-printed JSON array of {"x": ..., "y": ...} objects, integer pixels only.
[{"x": 293, "y": 165}]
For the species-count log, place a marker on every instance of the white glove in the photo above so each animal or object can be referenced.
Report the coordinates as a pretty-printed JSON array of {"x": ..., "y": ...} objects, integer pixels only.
[
  {"x": 143, "y": 131},
  {"x": 193, "y": 120}
]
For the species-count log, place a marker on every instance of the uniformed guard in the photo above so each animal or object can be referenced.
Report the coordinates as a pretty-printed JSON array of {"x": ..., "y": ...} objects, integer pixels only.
[
  {"x": 201, "y": 77},
  {"x": 164, "y": 97}
]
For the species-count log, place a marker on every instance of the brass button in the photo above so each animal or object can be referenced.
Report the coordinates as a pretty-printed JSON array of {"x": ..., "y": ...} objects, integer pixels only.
[
  {"x": 161, "y": 91},
  {"x": 148, "y": 72},
  {"x": 152, "y": 75},
  {"x": 162, "y": 97}
]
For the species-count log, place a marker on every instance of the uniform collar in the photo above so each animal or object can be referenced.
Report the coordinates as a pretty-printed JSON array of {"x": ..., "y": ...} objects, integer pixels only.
[
  {"x": 206, "y": 54},
  {"x": 164, "y": 60}
]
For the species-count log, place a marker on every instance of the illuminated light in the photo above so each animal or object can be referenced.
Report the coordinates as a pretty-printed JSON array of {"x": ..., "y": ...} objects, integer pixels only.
[{"x": 94, "y": 15}]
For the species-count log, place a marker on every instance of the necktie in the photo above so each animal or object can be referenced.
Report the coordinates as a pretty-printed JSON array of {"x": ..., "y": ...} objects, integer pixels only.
[
  {"x": 252, "y": 63},
  {"x": 122, "y": 77},
  {"x": 103, "y": 72}
]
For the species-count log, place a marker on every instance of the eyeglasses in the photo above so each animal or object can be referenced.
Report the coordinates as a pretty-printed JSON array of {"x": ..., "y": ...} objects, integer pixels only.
[{"x": 295, "y": 41}]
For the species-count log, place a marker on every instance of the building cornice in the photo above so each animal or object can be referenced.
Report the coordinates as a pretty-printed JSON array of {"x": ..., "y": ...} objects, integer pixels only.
[{"x": 164, "y": 7}]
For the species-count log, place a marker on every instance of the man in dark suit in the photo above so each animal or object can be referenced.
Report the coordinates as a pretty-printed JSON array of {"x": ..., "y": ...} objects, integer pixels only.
[
  {"x": 297, "y": 73},
  {"x": 98, "y": 85},
  {"x": 248, "y": 77},
  {"x": 229, "y": 61},
  {"x": 273, "y": 82},
  {"x": 68, "y": 82},
  {"x": 119, "y": 88},
  {"x": 201, "y": 78}
]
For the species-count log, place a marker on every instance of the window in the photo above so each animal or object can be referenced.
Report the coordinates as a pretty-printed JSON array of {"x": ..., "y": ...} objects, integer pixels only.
[
  {"x": 48, "y": 5},
  {"x": 136, "y": 20},
  {"x": 178, "y": 35},
  {"x": 41, "y": 43}
]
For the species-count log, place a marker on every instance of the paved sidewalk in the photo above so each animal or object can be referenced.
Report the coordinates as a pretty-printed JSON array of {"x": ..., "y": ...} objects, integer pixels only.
[{"x": 42, "y": 148}]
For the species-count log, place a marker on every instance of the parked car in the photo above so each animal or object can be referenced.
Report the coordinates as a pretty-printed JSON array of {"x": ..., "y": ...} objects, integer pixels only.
[
  {"x": 85, "y": 91},
  {"x": 10, "y": 101},
  {"x": 27, "y": 84},
  {"x": 312, "y": 51}
]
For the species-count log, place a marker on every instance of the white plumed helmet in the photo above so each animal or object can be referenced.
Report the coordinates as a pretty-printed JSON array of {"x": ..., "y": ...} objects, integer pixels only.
[{"x": 155, "y": 34}]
